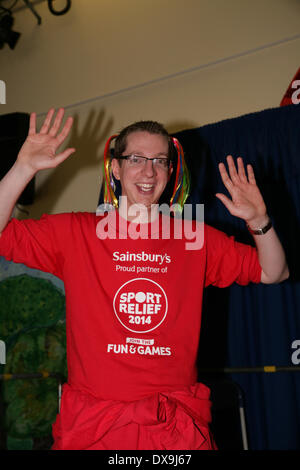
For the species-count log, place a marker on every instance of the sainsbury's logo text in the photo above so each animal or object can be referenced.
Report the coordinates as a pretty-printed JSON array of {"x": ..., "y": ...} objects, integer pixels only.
[{"x": 146, "y": 257}]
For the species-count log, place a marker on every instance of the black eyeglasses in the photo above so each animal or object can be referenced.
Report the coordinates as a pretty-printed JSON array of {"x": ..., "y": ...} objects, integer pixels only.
[{"x": 138, "y": 160}]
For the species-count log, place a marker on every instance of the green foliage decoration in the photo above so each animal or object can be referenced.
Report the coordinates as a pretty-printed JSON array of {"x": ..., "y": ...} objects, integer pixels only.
[{"x": 32, "y": 312}]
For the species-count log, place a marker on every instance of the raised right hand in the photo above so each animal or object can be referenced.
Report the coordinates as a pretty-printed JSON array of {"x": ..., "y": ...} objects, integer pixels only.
[{"x": 39, "y": 149}]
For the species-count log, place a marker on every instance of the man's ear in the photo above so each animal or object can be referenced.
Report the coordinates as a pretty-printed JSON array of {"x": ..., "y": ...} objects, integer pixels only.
[{"x": 115, "y": 168}]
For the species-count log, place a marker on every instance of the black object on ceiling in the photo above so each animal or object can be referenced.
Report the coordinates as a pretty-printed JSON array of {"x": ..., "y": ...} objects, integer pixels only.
[
  {"x": 7, "y": 35},
  {"x": 10, "y": 37}
]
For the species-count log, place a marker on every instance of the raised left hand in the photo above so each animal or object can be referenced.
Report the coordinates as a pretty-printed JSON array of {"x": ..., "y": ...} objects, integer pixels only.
[{"x": 247, "y": 202}]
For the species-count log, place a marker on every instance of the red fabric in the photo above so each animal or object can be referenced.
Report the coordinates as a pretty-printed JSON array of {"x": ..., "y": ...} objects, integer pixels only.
[
  {"x": 175, "y": 420},
  {"x": 292, "y": 94},
  {"x": 133, "y": 312}
]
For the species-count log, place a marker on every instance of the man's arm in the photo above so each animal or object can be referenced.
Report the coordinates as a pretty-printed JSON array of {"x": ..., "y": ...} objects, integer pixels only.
[
  {"x": 248, "y": 204},
  {"x": 270, "y": 253},
  {"x": 37, "y": 153}
]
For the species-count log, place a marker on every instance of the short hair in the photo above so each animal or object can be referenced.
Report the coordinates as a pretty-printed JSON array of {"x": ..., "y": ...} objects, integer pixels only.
[{"x": 152, "y": 127}]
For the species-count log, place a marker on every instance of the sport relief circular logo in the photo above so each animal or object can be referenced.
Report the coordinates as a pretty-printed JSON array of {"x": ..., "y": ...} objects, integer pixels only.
[{"x": 140, "y": 305}]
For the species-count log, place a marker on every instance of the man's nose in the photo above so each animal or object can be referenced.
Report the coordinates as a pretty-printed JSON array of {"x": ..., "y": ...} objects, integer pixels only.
[{"x": 149, "y": 169}]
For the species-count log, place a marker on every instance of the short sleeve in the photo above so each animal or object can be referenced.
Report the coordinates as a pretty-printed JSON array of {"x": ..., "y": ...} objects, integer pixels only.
[
  {"x": 35, "y": 243},
  {"x": 229, "y": 261}
]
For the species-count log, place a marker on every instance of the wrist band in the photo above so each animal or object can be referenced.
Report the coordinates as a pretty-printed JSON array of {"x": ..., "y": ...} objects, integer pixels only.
[{"x": 261, "y": 231}]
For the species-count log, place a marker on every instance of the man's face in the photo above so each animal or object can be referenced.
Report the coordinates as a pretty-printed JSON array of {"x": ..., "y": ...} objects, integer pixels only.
[{"x": 143, "y": 184}]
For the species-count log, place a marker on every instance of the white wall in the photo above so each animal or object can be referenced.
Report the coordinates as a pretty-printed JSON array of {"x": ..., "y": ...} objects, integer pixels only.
[{"x": 111, "y": 62}]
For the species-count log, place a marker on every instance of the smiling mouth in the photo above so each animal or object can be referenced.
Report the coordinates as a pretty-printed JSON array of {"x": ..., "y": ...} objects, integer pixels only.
[{"x": 145, "y": 188}]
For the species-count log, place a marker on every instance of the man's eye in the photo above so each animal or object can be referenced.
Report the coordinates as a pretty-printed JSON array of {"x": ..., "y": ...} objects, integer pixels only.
[
  {"x": 162, "y": 162},
  {"x": 136, "y": 159}
]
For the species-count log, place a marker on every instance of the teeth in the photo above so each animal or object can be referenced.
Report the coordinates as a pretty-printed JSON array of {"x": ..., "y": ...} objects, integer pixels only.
[{"x": 145, "y": 186}]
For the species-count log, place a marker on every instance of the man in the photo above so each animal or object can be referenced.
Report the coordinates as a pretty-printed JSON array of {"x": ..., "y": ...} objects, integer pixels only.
[{"x": 133, "y": 305}]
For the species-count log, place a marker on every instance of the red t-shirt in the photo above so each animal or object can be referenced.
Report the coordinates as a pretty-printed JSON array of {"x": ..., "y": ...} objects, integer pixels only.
[{"x": 133, "y": 306}]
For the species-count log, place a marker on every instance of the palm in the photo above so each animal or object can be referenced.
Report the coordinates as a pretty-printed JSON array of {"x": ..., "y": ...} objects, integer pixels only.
[
  {"x": 39, "y": 149},
  {"x": 246, "y": 200}
]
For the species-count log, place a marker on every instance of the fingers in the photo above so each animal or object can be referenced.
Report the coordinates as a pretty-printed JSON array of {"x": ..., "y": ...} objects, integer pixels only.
[
  {"x": 224, "y": 175},
  {"x": 56, "y": 124},
  {"x": 226, "y": 201},
  {"x": 235, "y": 176},
  {"x": 251, "y": 176},
  {"x": 47, "y": 122},
  {"x": 242, "y": 173},
  {"x": 241, "y": 170},
  {"x": 232, "y": 169},
  {"x": 32, "y": 124},
  {"x": 65, "y": 130},
  {"x": 62, "y": 156}
]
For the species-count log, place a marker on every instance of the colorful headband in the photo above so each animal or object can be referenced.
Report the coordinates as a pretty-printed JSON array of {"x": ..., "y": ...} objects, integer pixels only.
[
  {"x": 182, "y": 180},
  {"x": 109, "y": 186},
  {"x": 181, "y": 186}
]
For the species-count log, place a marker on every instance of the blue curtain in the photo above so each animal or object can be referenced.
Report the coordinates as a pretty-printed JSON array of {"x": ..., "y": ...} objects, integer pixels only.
[{"x": 255, "y": 325}]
